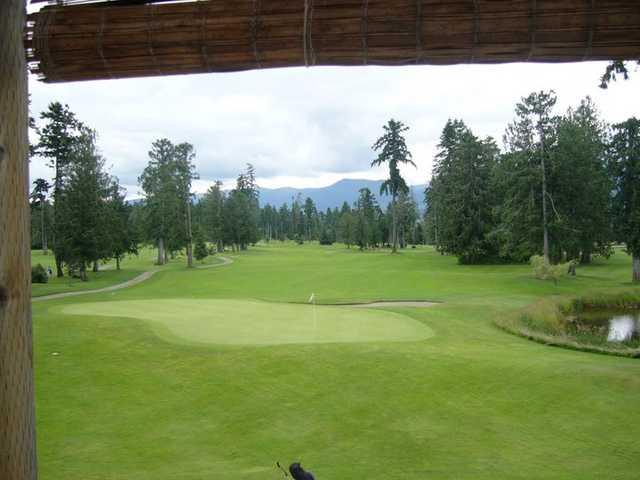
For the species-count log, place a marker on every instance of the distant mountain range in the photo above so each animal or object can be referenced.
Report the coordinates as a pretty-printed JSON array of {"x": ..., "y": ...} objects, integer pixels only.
[
  {"x": 333, "y": 196},
  {"x": 346, "y": 190}
]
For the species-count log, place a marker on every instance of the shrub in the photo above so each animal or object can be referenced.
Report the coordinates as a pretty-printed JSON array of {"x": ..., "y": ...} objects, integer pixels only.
[
  {"x": 325, "y": 238},
  {"x": 39, "y": 274},
  {"x": 543, "y": 270},
  {"x": 200, "y": 251}
]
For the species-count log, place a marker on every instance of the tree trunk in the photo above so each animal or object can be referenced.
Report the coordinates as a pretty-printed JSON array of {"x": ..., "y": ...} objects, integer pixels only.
[
  {"x": 189, "y": 255},
  {"x": 117, "y": 262},
  {"x": 394, "y": 228},
  {"x": 435, "y": 229},
  {"x": 17, "y": 420},
  {"x": 59, "y": 270},
  {"x": 545, "y": 230},
  {"x": 166, "y": 256},
  {"x": 45, "y": 250},
  {"x": 636, "y": 268},
  {"x": 83, "y": 271},
  {"x": 96, "y": 267},
  {"x": 189, "y": 236},
  {"x": 160, "y": 260},
  {"x": 585, "y": 258}
]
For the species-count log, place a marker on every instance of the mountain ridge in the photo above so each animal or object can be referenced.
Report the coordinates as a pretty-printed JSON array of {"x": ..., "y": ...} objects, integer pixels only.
[{"x": 334, "y": 195}]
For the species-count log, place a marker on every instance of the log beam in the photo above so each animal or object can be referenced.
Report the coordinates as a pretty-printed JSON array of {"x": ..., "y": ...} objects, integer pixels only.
[{"x": 17, "y": 429}]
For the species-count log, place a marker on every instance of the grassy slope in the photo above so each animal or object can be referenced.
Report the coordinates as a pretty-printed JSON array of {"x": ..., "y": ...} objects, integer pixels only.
[{"x": 472, "y": 402}]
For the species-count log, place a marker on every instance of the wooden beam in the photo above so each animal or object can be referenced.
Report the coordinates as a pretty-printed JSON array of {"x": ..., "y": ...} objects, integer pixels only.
[
  {"x": 17, "y": 428},
  {"x": 111, "y": 40}
]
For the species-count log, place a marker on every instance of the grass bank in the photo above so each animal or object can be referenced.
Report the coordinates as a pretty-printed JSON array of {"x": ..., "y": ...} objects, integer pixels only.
[{"x": 549, "y": 320}]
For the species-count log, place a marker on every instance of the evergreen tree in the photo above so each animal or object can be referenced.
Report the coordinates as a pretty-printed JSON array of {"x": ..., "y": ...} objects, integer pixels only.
[
  {"x": 185, "y": 173},
  {"x": 57, "y": 139},
  {"x": 366, "y": 232},
  {"x": 347, "y": 229},
  {"x": 529, "y": 139},
  {"x": 297, "y": 221},
  {"x": 625, "y": 164},
  {"x": 247, "y": 208},
  {"x": 166, "y": 182},
  {"x": 393, "y": 151},
  {"x": 460, "y": 196},
  {"x": 310, "y": 219},
  {"x": 160, "y": 203},
  {"x": 201, "y": 252},
  {"x": 286, "y": 226},
  {"x": 84, "y": 201},
  {"x": 122, "y": 235},
  {"x": 581, "y": 186},
  {"x": 213, "y": 204},
  {"x": 39, "y": 201}
]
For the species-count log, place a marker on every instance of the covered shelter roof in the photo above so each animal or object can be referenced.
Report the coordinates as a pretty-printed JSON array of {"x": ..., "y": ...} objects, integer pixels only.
[{"x": 100, "y": 39}]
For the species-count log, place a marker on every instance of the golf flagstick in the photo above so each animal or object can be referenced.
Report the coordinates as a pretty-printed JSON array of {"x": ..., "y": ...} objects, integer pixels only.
[{"x": 312, "y": 300}]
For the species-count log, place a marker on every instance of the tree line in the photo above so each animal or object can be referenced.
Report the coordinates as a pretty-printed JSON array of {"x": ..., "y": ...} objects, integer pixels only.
[
  {"x": 364, "y": 224},
  {"x": 566, "y": 186}
]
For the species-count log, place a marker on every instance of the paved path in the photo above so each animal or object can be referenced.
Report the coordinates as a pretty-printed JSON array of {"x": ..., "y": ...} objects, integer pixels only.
[
  {"x": 225, "y": 261},
  {"x": 129, "y": 283}
]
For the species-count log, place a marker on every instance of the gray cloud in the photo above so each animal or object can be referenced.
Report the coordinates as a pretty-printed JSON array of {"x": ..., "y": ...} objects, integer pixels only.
[{"x": 297, "y": 124}]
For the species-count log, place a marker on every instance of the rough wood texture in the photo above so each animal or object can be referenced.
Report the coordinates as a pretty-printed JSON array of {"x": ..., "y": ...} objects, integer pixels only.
[
  {"x": 17, "y": 435},
  {"x": 114, "y": 40}
]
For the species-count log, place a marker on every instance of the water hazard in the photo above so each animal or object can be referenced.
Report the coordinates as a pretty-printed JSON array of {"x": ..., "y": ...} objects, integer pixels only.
[{"x": 609, "y": 325}]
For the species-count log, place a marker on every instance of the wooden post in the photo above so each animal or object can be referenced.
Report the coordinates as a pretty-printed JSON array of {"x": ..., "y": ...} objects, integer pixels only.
[{"x": 17, "y": 428}]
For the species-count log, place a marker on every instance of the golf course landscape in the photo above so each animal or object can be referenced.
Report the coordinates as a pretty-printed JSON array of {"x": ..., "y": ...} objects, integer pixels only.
[{"x": 217, "y": 373}]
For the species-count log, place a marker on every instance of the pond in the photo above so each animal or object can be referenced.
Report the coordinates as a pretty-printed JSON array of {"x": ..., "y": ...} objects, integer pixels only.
[{"x": 612, "y": 325}]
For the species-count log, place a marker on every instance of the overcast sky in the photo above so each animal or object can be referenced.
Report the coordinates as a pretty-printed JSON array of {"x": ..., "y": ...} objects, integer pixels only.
[{"x": 310, "y": 127}]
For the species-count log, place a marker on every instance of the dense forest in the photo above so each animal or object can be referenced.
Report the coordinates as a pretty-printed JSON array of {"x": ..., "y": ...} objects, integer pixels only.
[{"x": 566, "y": 187}]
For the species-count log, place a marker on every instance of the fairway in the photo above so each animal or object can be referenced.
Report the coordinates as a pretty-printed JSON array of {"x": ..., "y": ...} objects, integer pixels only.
[
  {"x": 219, "y": 372},
  {"x": 248, "y": 322}
]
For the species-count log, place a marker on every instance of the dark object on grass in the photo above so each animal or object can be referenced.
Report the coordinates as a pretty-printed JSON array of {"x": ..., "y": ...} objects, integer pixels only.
[
  {"x": 298, "y": 473},
  {"x": 39, "y": 274},
  {"x": 286, "y": 475}
]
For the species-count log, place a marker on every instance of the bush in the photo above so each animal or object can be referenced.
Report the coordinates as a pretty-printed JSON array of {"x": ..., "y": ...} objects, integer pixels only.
[
  {"x": 543, "y": 270},
  {"x": 200, "y": 252},
  {"x": 325, "y": 238},
  {"x": 39, "y": 274}
]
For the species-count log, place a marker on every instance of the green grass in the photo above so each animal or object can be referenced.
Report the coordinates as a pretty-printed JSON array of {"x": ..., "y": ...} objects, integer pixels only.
[
  {"x": 234, "y": 322},
  {"x": 122, "y": 400},
  {"x": 130, "y": 267}
]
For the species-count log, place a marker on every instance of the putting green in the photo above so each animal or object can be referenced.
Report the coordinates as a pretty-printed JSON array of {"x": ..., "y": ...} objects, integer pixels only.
[{"x": 251, "y": 322}]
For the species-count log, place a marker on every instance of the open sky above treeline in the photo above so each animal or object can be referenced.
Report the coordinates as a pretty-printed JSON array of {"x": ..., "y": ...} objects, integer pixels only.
[{"x": 311, "y": 127}]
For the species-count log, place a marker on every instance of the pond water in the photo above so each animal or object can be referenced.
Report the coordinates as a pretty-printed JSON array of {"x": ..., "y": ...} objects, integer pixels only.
[{"x": 615, "y": 326}]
